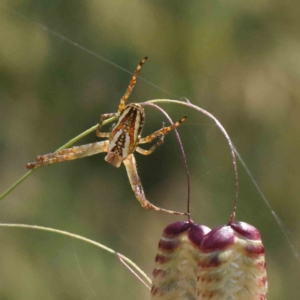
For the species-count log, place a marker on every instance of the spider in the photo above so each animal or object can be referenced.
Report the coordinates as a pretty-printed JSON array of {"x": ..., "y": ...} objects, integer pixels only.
[{"x": 122, "y": 141}]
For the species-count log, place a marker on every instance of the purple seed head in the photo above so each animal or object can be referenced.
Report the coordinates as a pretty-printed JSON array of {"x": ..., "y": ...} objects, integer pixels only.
[
  {"x": 218, "y": 239},
  {"x": 197, "y": 233},
  {"x": 246, "y": 230},
  {"x": 176, "y": 228}
]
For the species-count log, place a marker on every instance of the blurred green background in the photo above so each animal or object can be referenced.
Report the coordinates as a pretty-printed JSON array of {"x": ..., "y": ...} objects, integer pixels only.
[{"x": 240, "y": 60}]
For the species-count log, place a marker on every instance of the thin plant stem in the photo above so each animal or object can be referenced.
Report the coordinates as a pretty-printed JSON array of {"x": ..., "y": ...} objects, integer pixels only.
[
  {"x": 183, "y": 156},
  {"x": 189, "y": 104},
  {"x": 121, "y": 259},
  {"x": 68, "y": 144},
  {"x": 15, "y": 184},
  {"x": 79, "y": 237}
]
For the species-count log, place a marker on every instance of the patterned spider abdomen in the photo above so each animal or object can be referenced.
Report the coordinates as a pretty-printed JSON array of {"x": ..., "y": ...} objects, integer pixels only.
[
  {"x": 175, "y": 272},
  {"x": 125, "y": 134},
  {"x": 232, "y": 264}
]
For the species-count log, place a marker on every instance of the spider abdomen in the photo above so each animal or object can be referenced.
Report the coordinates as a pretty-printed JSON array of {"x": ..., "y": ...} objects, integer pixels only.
[{"x": 124, "y": 136}]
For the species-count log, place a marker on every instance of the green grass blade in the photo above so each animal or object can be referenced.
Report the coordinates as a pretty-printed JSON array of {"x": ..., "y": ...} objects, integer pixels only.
[{"x": 68, "y": 144}]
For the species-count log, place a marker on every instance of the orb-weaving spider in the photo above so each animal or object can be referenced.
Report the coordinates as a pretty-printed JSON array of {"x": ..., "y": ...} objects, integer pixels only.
[{"x": 122, "y": 141}]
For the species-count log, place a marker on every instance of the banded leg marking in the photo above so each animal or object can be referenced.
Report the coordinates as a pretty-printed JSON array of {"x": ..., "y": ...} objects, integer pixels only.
[
  {"x": 69, "y": 154},
  {"x": 130, "y": 86},
  {"x": 162, "y": 131},
  {"x": 153, "y": 148}
]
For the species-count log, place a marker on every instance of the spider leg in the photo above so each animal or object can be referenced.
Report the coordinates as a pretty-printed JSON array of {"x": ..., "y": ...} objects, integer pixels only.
[
  {"x": 151, "y": 150},
  {"x": 130, "y": 165},
  {"x": 130, "y": 86},
  {"x": 160, "y": 132},
  {"x": 69, "y": 154},
  {"x": 102, "y": 118}
]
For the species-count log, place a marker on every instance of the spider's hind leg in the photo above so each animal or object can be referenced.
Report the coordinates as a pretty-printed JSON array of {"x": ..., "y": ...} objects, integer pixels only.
[{"x": 137, "y": 187}]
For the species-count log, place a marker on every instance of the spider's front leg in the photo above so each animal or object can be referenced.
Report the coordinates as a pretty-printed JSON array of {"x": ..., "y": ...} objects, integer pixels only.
[
  {"x": 137, "y": 187},
  {"x": 69, "y": 154},
  {"x": 151, "y": 150},
  {"x": 160, "y": 134},
  {"x": 130, "y": 86},
  {"x": 102, "y": 118}
]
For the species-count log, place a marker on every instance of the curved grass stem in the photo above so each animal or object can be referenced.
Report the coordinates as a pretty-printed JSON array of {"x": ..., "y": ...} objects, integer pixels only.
[
  {"x": 189, "y": 104},
  {"x": 81, "y": 238},
  {"x": 67, "y": 145},
  {"x": 183, "y": 156}
]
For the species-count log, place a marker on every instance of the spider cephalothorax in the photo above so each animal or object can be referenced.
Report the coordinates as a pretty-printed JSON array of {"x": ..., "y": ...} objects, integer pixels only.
[{"x": 122, "y": 141}]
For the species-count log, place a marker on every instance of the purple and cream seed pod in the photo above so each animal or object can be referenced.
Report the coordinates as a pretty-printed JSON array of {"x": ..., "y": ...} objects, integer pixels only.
[
  {"x": 232, "y": 264},
  {"x": 196, "y": 263},
  {"x": 175, "y": 272}
]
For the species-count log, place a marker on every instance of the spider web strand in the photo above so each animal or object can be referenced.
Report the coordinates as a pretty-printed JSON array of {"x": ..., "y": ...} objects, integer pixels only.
[{"x": 79, "y": 46}]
